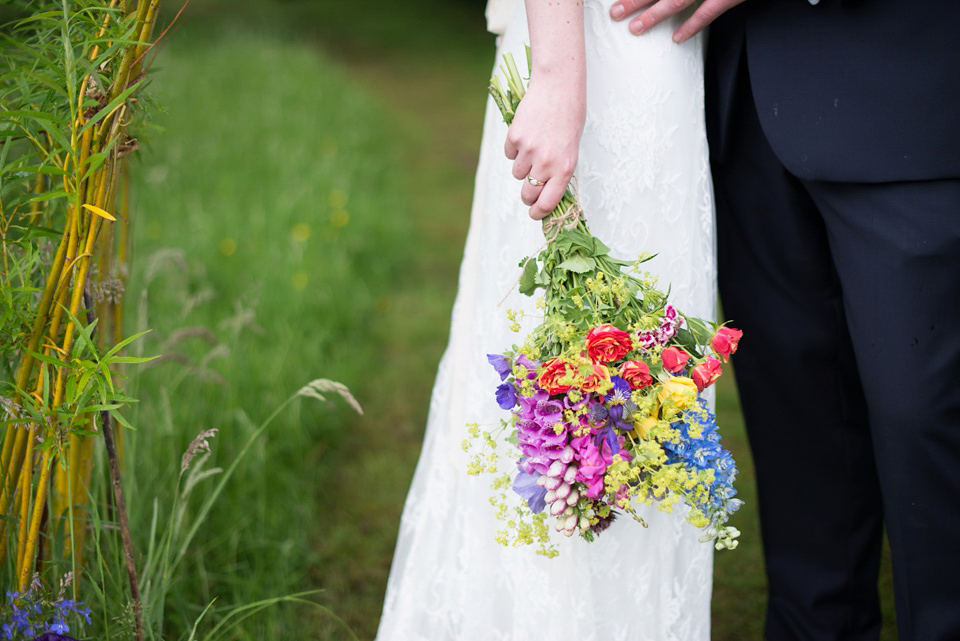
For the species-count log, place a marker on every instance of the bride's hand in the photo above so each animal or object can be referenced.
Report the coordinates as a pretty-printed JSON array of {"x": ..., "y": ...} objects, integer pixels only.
[{"x": 544, "y": 139}]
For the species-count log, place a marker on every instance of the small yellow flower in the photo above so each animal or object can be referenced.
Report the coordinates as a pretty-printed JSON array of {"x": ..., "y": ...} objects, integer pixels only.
[
  {"x": 300, "y": 233},
  {"x": 339, "y": 218},
  {"x": 299, "y": 280},
  {"x": 228, "y": 246}
]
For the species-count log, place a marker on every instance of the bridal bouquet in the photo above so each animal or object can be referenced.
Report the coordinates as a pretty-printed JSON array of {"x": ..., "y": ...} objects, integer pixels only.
[{"x": 603, "y": 396}]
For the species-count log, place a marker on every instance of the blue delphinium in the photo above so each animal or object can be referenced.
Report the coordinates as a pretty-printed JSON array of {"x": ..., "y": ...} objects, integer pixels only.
[{"x": 704, "y": 452}]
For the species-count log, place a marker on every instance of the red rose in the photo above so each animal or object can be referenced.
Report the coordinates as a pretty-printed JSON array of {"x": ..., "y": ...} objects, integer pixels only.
[
  {"x": 599, "y": 378},
  {"x": 636, "y": 374},
  {"x": 606, "y": 344},
  {"x": 550, "y": 375},
  {"x": 674, "y": 359},
  {"x": 725, "y": 342},
  {"x": 706, "y": 374}
]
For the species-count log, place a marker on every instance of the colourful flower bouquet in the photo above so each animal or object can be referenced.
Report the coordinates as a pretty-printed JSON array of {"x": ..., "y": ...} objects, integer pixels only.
[{"x": 605, "y": 394}]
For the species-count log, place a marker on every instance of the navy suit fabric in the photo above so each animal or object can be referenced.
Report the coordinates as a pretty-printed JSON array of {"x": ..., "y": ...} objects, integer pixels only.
[
  {"x": 835, "y": 144},
  {"x": 855, "y": 91}
]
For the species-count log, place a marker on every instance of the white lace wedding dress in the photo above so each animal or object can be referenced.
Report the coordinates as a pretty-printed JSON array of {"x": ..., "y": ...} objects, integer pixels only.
[{"x": 644, "y": 182}]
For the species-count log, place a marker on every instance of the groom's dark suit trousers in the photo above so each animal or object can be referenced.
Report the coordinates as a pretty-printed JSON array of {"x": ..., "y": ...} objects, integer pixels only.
[{"x": 835, "y": 142}]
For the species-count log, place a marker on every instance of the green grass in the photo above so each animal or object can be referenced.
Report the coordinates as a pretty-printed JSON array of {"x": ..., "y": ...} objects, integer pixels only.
[
  {"x": 272, "y": 228},
  {"x": 279, "y": 116}
]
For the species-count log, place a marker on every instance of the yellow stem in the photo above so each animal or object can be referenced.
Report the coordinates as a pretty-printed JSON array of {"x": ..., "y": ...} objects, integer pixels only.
[
  {"x": 26, "y": 476},
  {"x": 28, "y": 551}
]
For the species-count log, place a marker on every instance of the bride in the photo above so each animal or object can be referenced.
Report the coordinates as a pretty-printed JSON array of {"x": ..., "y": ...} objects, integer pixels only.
[{"x": 642, "y": 176}]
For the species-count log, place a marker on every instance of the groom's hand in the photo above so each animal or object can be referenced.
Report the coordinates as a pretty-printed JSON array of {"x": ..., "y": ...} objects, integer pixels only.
[{"x": 656, "y": 11}]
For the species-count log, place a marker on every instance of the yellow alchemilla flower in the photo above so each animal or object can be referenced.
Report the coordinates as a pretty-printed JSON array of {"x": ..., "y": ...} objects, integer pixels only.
[{"x": 679, "y": 392}]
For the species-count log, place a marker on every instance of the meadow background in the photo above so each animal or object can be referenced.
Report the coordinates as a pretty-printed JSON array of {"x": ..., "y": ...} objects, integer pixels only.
[{"x": 301, "y": 208}]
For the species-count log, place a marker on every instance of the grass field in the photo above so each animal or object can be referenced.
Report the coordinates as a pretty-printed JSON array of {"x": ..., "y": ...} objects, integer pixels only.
[{"x": 301, "y": 215}]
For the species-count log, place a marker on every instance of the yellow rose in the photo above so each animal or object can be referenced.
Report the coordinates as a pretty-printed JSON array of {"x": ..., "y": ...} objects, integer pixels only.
[
  {"x": 644, "y": 425},
  {"x": 679, "y": 392}
]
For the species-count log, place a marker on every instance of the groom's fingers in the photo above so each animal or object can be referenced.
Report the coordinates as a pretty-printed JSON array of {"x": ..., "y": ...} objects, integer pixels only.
[
  {"x": 703, "y": 16},
  {"x": 656, "y": 14},
  {"x": 625, "y": 8},
  {"x": 660, "y": 10}
]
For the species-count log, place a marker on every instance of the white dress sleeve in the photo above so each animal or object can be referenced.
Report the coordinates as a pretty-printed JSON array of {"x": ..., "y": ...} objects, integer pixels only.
[{"x": 498, "y": 14}]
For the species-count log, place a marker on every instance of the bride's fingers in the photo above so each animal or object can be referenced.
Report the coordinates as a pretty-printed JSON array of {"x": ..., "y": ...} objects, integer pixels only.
[
  {"x": 550, "y": 196},
  {"x": 529, "y": 193},
  {"x": 510, "y": 148},
  {"x": 521, "y": 167}
]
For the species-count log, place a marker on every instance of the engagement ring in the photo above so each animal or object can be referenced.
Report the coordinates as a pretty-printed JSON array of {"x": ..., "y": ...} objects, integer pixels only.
[{"x": 533, "y": 181}]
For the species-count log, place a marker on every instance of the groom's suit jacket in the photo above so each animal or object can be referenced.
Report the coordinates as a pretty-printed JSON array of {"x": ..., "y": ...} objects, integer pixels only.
[{"x": 847, "y": 90}]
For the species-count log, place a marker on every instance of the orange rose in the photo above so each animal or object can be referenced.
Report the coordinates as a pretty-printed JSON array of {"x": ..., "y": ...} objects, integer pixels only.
[
  {"x": 706, "y": 374},
  {"x": 674, "y": 359},
  {"x": 551, "y": 374},
  {"x": 636, "y": 374},
  {"x": 599, "y": 378},
  {"x": 606, "y": 344}
]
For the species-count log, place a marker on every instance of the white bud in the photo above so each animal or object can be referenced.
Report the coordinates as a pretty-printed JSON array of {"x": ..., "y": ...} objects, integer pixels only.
[
  {"x": 571, "y": 474},
  {"x": 550, "y": 497},
  {"x": 557, "y": 507},
  {"x": 567, "y": 455},
  {"x": 573, "y": 497},
  {"x": 552, "y": 483},
  {"x": 541, "y": 480},
  {"x": 566, "y": 512},
  {"x": 563, "y": 491},
  {"x": 568, "y": 532},
  {"x": 556, "y": 469},
  {"x": 570, "y": 523},
  {"x": 584, "y": 523}
]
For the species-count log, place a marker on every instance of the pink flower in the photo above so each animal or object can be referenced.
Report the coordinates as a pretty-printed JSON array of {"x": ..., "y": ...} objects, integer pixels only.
[
  {"x": 674, "y": 359},
  {"x": 647, "y": 339},
  {"x": 726, "y": 341},
  {"x": 706, "y": 374},
  {"x": 593, "y": 463}
]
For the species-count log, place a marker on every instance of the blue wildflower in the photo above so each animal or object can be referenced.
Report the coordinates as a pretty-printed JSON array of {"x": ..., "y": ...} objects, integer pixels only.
[
  {"x": 59, "y": 627},
  {"x": 501, "y": 364},
  {"x": 506, "y": 396},
  {"x": 526, "y": 486},
  {"x": 620, "y": 394},
  {"x": 706, "y": 453}
]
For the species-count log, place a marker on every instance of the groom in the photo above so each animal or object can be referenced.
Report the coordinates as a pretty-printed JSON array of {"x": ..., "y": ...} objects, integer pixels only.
[{"x": 835, "y": 140}]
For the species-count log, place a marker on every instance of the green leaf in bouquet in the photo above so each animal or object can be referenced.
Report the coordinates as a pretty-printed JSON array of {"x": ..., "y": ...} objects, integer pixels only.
[
  {"x": 599, "y": 249},
  {"x": 689, "y": 342},
  {"x": 529, "y": 277},
  {"x": 701, "y": 330},
  {"x": 578, "y": 263}
]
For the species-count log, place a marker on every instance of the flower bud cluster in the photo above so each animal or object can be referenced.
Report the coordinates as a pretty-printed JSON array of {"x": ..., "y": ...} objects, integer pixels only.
[{"x": 562, "y": 496}]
